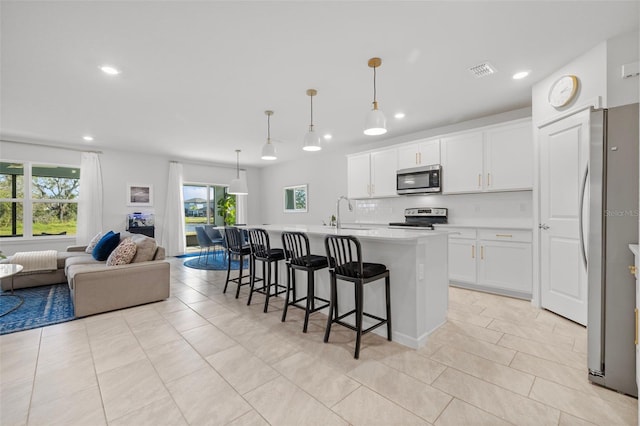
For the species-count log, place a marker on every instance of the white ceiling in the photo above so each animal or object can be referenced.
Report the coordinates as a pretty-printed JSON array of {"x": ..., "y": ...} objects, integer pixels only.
[{"x": 197, "y": 76}]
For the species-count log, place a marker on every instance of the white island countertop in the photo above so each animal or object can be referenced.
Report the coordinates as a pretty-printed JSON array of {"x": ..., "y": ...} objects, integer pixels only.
[
  {"x": 361, "y": 233},
  {"x": 634, "y": 249}
]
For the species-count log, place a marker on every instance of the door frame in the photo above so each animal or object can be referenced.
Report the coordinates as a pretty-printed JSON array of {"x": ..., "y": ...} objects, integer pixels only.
[{"x": 596, "y": 103}]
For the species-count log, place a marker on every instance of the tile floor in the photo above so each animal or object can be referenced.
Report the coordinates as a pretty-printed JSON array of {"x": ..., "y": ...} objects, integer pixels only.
[{"x": 204, "y": 358}]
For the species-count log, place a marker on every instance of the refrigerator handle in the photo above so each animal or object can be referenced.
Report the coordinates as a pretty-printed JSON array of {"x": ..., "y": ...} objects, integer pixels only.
[{"x": 583, "y": 188}]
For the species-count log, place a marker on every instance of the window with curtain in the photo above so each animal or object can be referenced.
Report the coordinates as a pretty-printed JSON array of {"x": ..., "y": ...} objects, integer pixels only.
[
  {"x": 206, "y": 204},
  {"x": 38, "y": 199}
]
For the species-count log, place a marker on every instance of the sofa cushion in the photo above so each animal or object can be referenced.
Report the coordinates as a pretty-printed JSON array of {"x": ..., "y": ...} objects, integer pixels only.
[
  {"x": 123, "y": 253},
  {"x": 93, "y": 243},
  {"x": 146, "y": 248},
  {"x": 106, "y": 245}
]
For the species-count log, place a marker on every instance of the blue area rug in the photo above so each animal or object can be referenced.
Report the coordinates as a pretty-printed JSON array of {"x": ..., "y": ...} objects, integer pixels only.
[
  {"x": 45, "y": 305},
  {"x": 216, "y": 262}
]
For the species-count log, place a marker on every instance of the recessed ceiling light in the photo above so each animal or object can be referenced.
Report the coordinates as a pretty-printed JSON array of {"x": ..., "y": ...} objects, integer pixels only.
[
  {"x": 327, "y": 136},
  {"x": 520, "y": 75},
  {"x": 108, "y": 69},
  {"x": 88, "y": 138},
  {"x": 399, "y": 115}
]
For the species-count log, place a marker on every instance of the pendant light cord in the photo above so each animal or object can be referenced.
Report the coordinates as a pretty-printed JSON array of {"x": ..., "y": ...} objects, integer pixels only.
[
  {"x": 237, "y": 164},
  {"x": 311, "y": 125},
  {"x": 374, "y": 85},
  {"x": 268, "y": 128}
]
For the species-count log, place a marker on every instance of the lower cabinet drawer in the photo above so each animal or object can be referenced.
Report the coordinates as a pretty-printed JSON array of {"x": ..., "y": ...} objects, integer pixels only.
[{"x": 515, "y": 235}]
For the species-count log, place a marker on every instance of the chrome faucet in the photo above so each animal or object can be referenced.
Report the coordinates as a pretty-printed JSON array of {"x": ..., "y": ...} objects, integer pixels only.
[{"x": 342, "y": 197}]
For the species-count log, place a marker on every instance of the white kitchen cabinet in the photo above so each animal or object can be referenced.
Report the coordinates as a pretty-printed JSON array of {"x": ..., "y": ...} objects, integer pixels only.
[
  {"x": 508, "y": 157},
  {"x": 372, "y": 174},
  {"x": 493, "y": 260},
  {"x": 462, "y": 257},
  {"x": 497, "y": 158},
  {"x": 421, "y": 153},
  {"x": 462, "y": 163}
]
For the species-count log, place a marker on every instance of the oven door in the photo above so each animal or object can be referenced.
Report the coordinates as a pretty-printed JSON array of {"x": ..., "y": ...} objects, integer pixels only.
[{"x": 418, "y": 180}]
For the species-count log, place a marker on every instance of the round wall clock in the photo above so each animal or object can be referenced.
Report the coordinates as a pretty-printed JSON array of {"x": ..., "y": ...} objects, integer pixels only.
[{"x": 563, "y": 91}]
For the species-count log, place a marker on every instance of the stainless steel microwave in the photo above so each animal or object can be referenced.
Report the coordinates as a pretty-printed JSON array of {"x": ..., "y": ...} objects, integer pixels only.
[{"x": 419, "y": 180}]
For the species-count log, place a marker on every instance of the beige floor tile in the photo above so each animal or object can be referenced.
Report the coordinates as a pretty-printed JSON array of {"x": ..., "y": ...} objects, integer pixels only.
[
  {"x": 114, "y": 352},
  {"x": 464, "y": 307},
  {"x": 241, "y": 368},
  {"x": 498, "y": 374},
  {"x": 81, "y": 408},
  {"x": 500, "y": 402},
  {"x": 185, "y": 319},
  {"x": 574, "y": 378},
  {"x": 411, "y": 394},
  {"x": 274, "y": 400},
  {"x": 69, "y": 327},
  {"x": 580, "y": 344},
  {"x": 175, "y": 359},
  {"x": 555, "y": 353},
  {"x": 365, "y": 407},
  {"x": 316, "y": 377},
  {"x": 64, "y": 382},
  {"x": 466, "y": 343},
  {"x": 169, "y": 305},
  {"x": 415, "y": 365},
  {"x": 206, "y": 398},
  {"x": 208, "y": 309},
  {"x": 267, "y": 346},
  {"x": 479, "y": 333},
  {"x": 532, "y": 333},
  {"x": 129, "y": 388},
  {"x": 569, "y": 420},
  {"x": 162, "y": 334},
  {"x": 189, "y": 296},
  {"x": 518, "y": 316},
  {"x": 22, "y": 340},
  {"x": 19, "y": 364},
  {"x": 63, "y": 351},
  {"x": 208, "y": 339},
  {"x": 459, "y": 413},
  {"x": 252, "y": 418},
  {"x": 142, "y": 317},
  {"x": 468, "y": 317},
  {"x": 14, "y": 401},
  {"x": 106, "y": 326},
  {"x": 164, "y": 412},
  {"x": 582, "y": 405}
]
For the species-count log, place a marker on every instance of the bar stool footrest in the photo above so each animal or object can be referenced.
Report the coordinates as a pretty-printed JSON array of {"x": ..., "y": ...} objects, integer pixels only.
[{"x": 338, "y": 320}]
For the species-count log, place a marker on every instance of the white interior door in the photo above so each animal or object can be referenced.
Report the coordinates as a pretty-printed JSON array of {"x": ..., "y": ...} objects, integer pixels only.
[{"x": 564, "y": 154}]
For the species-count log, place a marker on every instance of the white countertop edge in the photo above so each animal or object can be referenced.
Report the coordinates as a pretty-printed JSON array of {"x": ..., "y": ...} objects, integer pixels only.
[
  {"x": 371, "y": 234},
  {"x": 635, "y": 249},
  {"x": 516, "y": 227}
]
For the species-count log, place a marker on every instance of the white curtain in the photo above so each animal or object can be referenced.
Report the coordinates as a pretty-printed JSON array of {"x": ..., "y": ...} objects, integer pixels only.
[
  {"x": 173, "y": 229},
  {"x": 89, "y": 221},
  {"x": 241, "y": 202}
]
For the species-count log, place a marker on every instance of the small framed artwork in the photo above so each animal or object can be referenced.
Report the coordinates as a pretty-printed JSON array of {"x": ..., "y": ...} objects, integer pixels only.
[
  {"x": 295, "y": 199},
  {"x": 139, "y": 195}
]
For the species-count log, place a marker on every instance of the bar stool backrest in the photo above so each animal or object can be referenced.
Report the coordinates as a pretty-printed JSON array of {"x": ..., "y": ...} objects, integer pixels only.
[
  {"x": 234, "y": 238},
  {"x": 259, "y": 243},
  {"x": 345, "y": 255},
  {"x": 203, "y": 239},
  {"x": 296, "y": 246}
]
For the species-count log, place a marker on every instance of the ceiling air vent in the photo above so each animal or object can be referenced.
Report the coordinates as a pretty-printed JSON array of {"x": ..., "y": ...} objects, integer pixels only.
[{"x": 482, "y": 70}]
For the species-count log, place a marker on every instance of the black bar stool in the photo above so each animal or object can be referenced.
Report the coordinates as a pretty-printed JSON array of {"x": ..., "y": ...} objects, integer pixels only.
[
  {"x": 346, "y": 264},
  {"x": 298, "y": 257},
  {"x": 237, "y": 247},
  {"x": 261, "y": 251}
]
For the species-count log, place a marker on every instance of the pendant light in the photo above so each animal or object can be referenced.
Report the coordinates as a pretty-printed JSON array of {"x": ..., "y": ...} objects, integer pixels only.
[
  {"x": 376, "y": 123},
  {"x": 238, "y": 186},
  {"x": 269, "y": 150},
  {"x": 311, "y": 139}
]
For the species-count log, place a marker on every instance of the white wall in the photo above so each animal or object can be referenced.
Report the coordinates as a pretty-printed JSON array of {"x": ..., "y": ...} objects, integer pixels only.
[
  {"x": 622, "y": 50},
  {"x": 326, "y": 174},
  {"x": 120, "y": 168}
]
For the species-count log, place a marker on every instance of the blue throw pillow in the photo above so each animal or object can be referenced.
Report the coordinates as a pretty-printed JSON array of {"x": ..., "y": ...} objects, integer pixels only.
[{"x": 105, "y": 246}]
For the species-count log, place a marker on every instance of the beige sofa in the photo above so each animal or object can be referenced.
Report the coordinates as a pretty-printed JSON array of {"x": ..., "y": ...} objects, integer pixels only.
[{"x": 96, "y": 287}]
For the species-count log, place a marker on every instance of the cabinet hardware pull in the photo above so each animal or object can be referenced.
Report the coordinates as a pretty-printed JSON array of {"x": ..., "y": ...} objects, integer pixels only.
[
  {"x": 636, "y": 335},
  {"x": 504, "y": 235},
  {"x": 417, "y": 159},
  {"x": 473, "y": 252},
  {"x": 481, "y": 252},
  {"x": 633, "y": 269},
  {"x": 479, "y": 180},
  {"x": 488, "y": 179}
]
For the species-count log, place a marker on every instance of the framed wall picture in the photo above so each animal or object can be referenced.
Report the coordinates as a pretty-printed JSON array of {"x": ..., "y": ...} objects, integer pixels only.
[
  {"x": 295, "y": 199},
  {"x": 139, "y": 195}
]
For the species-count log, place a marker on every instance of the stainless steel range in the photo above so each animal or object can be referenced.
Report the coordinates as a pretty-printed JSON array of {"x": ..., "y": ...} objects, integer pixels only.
[{"x": 423, "y": 217}]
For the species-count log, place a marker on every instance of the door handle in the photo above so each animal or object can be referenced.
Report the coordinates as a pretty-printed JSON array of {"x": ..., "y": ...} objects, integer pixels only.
[
  {"x": 543, "y": 226},
  {"x": 473, "y": 252},
  {"x": 580, "y": 220},
  {"x": 479, "y": 180},
  {"x": 633, "y": 269},
  {"x": 481, "y": 252}
]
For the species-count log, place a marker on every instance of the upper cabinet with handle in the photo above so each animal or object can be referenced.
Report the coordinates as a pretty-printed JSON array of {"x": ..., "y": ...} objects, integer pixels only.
[
  {"x": 498, "y": 158},
  {"x": 372, "y": 174},
  {"x": 420, "y": 153}
]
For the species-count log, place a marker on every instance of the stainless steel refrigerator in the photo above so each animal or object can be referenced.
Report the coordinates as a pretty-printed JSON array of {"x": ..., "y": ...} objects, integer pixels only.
[{"x": 611, "y": 186}]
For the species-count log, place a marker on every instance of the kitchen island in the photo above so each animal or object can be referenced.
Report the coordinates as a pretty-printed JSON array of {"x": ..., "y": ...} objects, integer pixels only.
[{"x": 418, "y": 265}]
